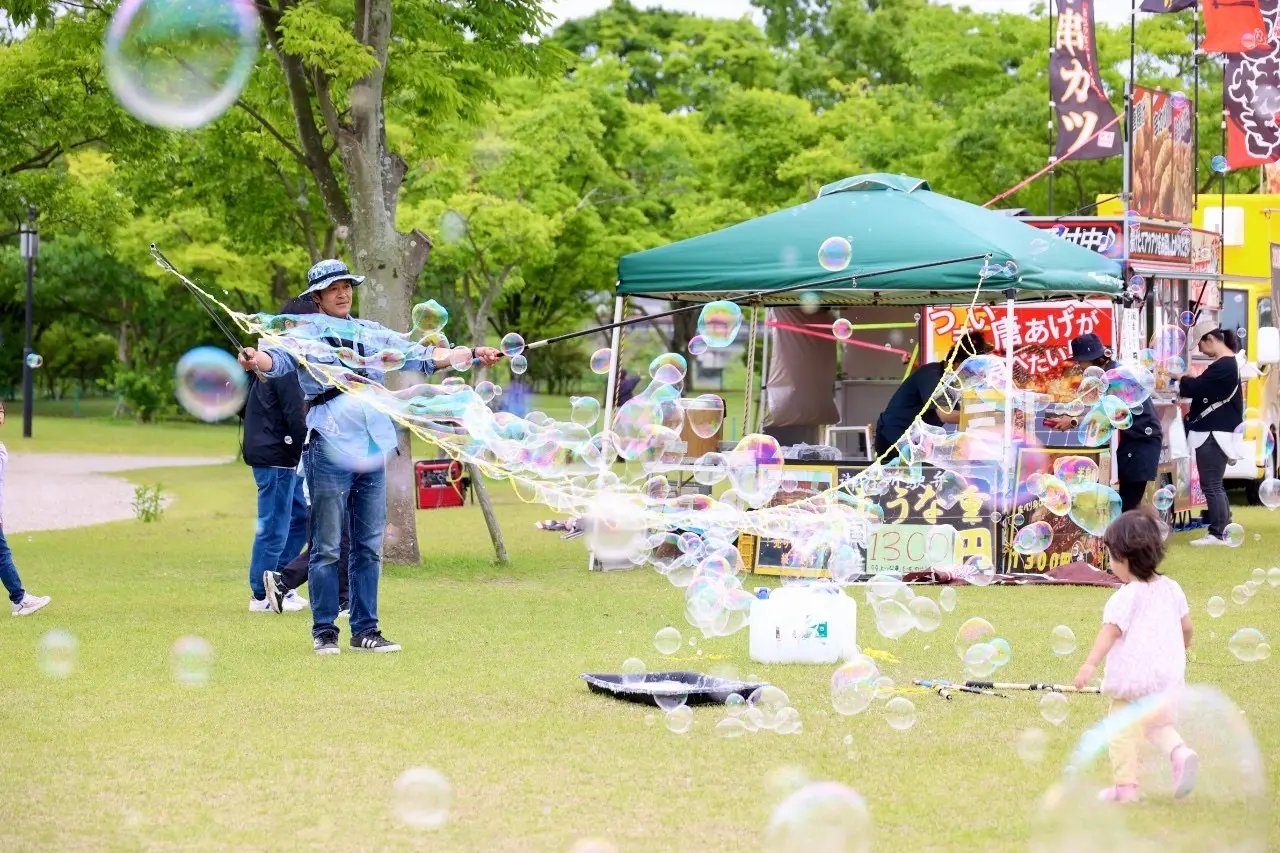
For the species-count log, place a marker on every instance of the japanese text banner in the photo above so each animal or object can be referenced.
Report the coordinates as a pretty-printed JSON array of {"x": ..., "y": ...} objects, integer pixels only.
[
  {"x": 1158, "y": 6},
  {"x": 1041, "y": 337},
  {"x": 1081, "y": 106},
  {"x": 1251, "y": 98},
  {"x": 1162, "y": 167}
]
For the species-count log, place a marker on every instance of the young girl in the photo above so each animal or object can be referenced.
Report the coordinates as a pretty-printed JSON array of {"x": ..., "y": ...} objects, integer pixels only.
[
  {"x": 1146, "y": 629},
  {"x": 24, "y": 603}
]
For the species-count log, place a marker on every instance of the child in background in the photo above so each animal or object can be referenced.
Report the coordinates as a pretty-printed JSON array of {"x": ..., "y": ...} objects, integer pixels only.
[
  {"x": 1146, "y": 629},
  {"x": 24, "y": 603}
]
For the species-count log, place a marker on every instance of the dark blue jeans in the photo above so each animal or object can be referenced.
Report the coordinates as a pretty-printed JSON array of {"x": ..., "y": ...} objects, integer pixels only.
[
  {"x": 282, "y": 523},
  {"x": 359, "y": 498},
  {"x": 9, "y": 572}
]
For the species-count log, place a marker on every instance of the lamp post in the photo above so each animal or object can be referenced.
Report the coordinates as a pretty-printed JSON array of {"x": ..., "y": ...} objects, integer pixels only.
[{"x": 30, "y": 239}]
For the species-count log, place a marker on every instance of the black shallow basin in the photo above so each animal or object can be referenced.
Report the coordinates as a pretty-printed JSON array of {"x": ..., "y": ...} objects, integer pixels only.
[{"x": 644, "y": 689}]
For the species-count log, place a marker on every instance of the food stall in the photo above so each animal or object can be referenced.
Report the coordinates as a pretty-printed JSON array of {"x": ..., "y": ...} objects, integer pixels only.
[{"x": 907, "y": 249}]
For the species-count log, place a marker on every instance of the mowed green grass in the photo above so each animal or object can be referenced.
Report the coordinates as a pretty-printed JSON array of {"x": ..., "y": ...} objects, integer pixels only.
[{"x": 285, "y": 750}]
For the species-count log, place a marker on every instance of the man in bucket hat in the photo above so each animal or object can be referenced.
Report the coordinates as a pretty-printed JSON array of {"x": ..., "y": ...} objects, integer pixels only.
[
  {"x": 345, "y": 451},
  {"x": 1138, "y": 451}
]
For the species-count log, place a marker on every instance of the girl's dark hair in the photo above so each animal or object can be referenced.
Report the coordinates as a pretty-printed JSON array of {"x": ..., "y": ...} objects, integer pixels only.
[
  {"x": 1227, "y": 337},
  {"x": 1136, "y": 538}
]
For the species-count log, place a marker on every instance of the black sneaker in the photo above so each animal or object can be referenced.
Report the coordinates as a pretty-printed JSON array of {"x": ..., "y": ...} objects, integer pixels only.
[
  {"x": 275, "y": 591},
  {"x": 327, "y": 644},
  {"x": 373, "y": 642}
]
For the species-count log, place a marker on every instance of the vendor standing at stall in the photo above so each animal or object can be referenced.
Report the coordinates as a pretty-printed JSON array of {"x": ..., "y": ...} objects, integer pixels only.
[
  {"x": 1217, "y": 409},
  {"x": 915, "y": 397},
  {"x": 1138, "y": 451}
]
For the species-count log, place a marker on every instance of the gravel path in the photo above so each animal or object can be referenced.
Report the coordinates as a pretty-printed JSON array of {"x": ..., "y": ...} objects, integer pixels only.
[{"x": 55, "y": 491}]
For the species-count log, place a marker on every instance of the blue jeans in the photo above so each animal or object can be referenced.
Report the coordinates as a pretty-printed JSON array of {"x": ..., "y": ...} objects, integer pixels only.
[
  {"x": 282, "y": 523},
  {"x": 9, "y": 572},
  {"x": 360, "y": 498}
]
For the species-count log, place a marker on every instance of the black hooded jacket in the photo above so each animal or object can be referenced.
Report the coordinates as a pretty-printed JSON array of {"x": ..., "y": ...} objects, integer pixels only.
[{"x": 274, "y": 422}]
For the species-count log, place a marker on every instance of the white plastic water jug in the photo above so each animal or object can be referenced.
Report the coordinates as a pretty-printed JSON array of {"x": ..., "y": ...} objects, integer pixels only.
[{"x": 810, "y": 623}]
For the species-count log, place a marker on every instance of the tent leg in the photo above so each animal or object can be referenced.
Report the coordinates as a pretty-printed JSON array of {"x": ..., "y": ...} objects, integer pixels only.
[
  {"x": 748, "y": 414},
  {"x": 764, "y": 373},
  {"x": 610, "y": 393},
  {"x": 1009, "y": 329}
]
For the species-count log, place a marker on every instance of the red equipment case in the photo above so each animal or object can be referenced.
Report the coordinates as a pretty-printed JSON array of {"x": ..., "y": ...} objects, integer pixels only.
[{"x": 440, "y": 484}]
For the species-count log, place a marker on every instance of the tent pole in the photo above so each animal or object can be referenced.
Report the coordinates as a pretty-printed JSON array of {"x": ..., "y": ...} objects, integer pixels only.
[
  {"x": 611, "y": 390},
  {"x": 749, "y": 409},
  {"x": 1009, "y": 329},
  {"x": 764, "y": 372}
]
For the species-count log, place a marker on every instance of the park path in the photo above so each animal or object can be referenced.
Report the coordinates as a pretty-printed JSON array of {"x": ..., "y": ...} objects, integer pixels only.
[{"x": 56, "y": 491}]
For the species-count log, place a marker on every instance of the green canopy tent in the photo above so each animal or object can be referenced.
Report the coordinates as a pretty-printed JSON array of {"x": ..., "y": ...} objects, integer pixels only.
[{"x": 889, "y": 221}]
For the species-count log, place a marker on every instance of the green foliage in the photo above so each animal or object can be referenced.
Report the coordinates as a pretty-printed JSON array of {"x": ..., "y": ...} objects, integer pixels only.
[
  {"x": 148, "y": 392},
  {"x": 148, "y": 503}
]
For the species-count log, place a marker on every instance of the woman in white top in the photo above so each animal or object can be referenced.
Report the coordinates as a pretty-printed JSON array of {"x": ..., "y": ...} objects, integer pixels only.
[{"x": 1217, "y": 408}]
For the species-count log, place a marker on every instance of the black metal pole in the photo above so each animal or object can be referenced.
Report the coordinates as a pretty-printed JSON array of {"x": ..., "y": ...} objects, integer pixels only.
[
  {"x": 28, "y": 391},
  {"x": 1195, "y": 108},
  {"x": 1053, "y": 112}
]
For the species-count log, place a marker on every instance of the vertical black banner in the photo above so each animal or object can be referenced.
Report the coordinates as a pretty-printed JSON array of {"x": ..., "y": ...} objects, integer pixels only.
[
  {"x": 1081, "y": 105},
  {"x": 1158, "y": 6}
]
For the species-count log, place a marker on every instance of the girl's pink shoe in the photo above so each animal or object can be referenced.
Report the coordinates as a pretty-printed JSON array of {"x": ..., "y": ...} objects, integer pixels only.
[
  {"x": 1185, "y": 764},
  {"x": 1119, "y": 794}
]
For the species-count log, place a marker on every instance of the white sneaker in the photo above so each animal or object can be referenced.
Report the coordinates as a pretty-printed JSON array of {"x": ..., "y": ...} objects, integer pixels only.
[
  {"x": 293, "y": 602},
  {"x": 30, "y": 604},
  {"x": 1207, "y": 539},
  {"x": 259, "y": 605}
]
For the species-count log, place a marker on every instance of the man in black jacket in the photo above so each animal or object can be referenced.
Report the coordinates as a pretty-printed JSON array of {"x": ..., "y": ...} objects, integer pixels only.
[
  {"x": 274, "y": 429},
  {"x": 1138, "y": 451}
]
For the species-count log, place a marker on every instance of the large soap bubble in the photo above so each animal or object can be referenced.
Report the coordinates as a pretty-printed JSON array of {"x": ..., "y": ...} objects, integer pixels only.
[
  {"x": 210, "y": 383},
  {"x": 180, "y": 64},
  {"x": 1227, "y": 808},
  {"x": 719, "y": 322},
  {"x": 821, "y": 816}
]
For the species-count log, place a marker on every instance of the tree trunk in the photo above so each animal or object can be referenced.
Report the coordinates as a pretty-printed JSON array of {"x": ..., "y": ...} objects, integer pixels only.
[
  {"x": 490, "y": 520},
  {"x": 683, "y": 328}
]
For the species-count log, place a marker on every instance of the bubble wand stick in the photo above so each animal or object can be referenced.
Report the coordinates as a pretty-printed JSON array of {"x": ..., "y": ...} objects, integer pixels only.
[
  {"x": 1056, "y": 688},
  {"x": 165, "y": 264}
]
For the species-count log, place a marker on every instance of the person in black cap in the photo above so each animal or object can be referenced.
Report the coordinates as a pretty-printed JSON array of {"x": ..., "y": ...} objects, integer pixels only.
[
  {"x": 915, "y": 396},
  {"x": 346, "y": 446},
  {"x": 1138, "y": 451}
]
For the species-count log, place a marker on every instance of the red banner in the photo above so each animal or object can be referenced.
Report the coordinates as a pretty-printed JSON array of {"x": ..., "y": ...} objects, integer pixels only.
[
  {"x": 1081, "y": 106},
  {"x": 1251, "y": 98},
  {"x": 1234, "y": 26}
]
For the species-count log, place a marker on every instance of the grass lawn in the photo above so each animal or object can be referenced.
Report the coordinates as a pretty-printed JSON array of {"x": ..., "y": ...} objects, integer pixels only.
[{"x": 284, "y": 750}]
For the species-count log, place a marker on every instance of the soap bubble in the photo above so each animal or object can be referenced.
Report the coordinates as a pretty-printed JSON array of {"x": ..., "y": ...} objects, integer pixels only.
[
  {"x": 893, "y": 619},
  {"x": 853, "y": 685},
  {"x": 1034, "y": 538},
  {"x": 979, "y": 660},
  {"x": 1233, "y": 535},
  {"x": 1168, "y": 342},
  {"x": 697, "y": 345},
  {"x": 1063, "y": 640},
  {"x": 810, "y": 302},
  {"x": 947, "y": 598},
  {"x": 1055, "y": 496},
  {"x": 1227, "y": 810},
  {"x": 421, "y": 798},
  {"x": 1163, "y": 498},
  {"x": 1240, "y": 594},
  {"x": 593, "y": 845},
  {"x": 614, "y": 527},
  {"x": 1178, "y": 100},
  {"x": 1216, "y": 606},
  {"x": 486, "y": 391},
  {"x": 35, "y": 361},
  {"x": 1273, "y": 576},
  {"x": 1269, "y": 493},
  {"x": 633, "y": 670},
  {"x": 1218, "y": 162},
  {"x": 1053, "y": 707},
  {"x": 1187, "y": 318},
  {"x": 667, "y": 641},
  {"x": 519, "y": 364},
  {"x": 512, "y": 344},
  {"x": 584, "y": 411},
  {"x": 180, "y": 65},
  {"x": 1031, "y": 745},
  {"x": 1001, "y": 652},
  {"x": 1094, "y": 506},
  {"x": 703, "y": 414},
  {"x": 821, "y": 816},
  {"x": 1248, "y": 644},
  {"x": 834, "y": 254},
  {"x": 974, "y": 630},
  {"x": 731, "y": 727},
  {"x": 669, "y": 702},
  {"x": 57, "y": 653},
  {"x": 925, "y": 613},
  {"x": 900, "y": 713},
  {"x": 719, "y": 323},
  {"x": 842, "y": 329},
  {"x": 192, "y": 659},
  {"x": 884, "y": 687},
  {"x": 210, "y": 383},
  {"x": 601, "y": 361}
]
